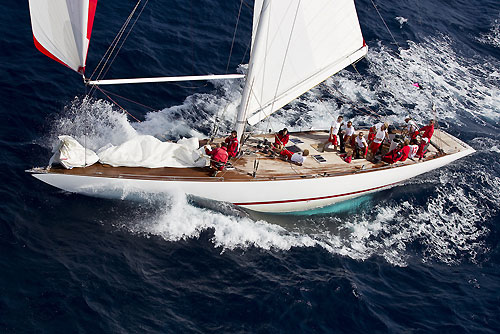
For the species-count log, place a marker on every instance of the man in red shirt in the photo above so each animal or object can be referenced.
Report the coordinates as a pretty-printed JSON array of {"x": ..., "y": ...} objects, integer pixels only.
[
  {"x": 395, "y": 155},
  {"x": 426, "y": 133},
  {"x": 218, "y": 157},
  {"x": 405, "y": 150},
  {"x": 232, "y": 144},
  {"x": 281, "y": 137}
]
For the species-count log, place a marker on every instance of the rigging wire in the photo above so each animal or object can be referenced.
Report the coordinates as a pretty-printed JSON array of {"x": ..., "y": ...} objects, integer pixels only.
[
  {"x": 191, "y": 84},
  {"x": 370, "y": 111},
  {"x": 255, "y": 17},
  {"x": 114, "y": 43},
  {"x": 438, "y": 135},
  {"x": 109, "y": 52},
  {"x": 426, "y": 65},
  {"x": 217, "y": 119},
  {"x": 129, "y": 100},
  {"x": 385, "y": 24},
  {"x": 126, "y": 36},
  {"x": 246, "y": 4},
  {"x": 246, "y": 51},
  {"x": 234, "y": 36},
  {"x": 103, "y": 65},
  {"x": 97, "y": 87}
]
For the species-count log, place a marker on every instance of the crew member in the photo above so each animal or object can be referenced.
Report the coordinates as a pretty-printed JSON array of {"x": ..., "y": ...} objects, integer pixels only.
[
  {"x": 347, "y": 157},
  {"x": 360, "y": 146},
  {"x": 373, "y": 131},
  {"x": 298, "y": 158},
  {"x": 349, "y": 134},
  {"x": 380, "y": 135},
  {"x": 334, "y": 131},
  {"x": 405, "y": 150},
  {"x": 413, "y": 149},
  {"x": 232, "y": 144},
  {"x": 411, "y": 128},
  {"x": 426, "y": 133},
  {"x": 281, "y": 137},
  {"x": 218, "y": 157},
  {"x": 394, "y": 155}
]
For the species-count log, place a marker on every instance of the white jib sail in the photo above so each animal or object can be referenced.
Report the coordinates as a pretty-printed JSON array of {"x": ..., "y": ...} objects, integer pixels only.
[
  {"x": 304, "y": 43},
  {"x": 62, "y": 28}
]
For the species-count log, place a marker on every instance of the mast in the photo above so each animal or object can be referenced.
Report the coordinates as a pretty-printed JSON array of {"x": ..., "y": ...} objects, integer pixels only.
[
  {"x": 298, "y": 44},
  {"x": 257, "y": 48}
]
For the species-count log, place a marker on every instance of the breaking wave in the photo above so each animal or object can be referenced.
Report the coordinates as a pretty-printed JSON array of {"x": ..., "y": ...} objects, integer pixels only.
[
  {"x": 493, "y": 36},
  {"x": 94, "y": 123}
]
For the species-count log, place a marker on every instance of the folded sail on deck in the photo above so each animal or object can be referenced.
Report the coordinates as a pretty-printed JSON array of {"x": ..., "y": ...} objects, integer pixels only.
[
  {"x": 62, "y": 28},
  {"x": 302, "y": 43}
]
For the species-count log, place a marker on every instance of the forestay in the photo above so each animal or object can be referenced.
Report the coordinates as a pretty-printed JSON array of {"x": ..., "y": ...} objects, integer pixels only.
[
  {"x": 300, "y": 44},
  {"x": 62, "y": 29}
]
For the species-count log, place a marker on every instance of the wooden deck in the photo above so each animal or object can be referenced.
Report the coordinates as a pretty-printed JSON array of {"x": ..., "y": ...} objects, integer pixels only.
[{"x": 269, "y": 167}]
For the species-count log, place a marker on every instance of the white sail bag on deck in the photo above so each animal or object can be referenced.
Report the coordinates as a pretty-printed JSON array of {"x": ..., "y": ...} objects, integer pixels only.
[{"x": 70, "y": 153}]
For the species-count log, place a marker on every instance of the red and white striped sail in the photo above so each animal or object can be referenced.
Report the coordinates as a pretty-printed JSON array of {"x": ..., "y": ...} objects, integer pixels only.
[{"x": 62, "y": 28}]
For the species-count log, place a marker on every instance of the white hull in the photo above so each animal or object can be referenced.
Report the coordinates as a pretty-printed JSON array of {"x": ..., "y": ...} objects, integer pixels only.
[{"x": 265, "y": 196}]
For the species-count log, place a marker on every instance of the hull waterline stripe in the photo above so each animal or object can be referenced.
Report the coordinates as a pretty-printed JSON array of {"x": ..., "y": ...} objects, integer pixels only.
[{"x": 318, "y": 198}]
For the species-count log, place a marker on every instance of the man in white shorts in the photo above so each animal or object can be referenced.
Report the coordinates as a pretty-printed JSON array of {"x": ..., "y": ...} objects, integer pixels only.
[
  {"x": 378, "y": 138},
  {"x": 360, "y": 146},
  {"x": 334, "y": 131},
  {"x": 349, "y": 134}
]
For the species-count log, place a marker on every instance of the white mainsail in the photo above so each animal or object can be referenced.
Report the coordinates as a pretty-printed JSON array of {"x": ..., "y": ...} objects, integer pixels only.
[
  {"x": 62, "y": 29},
  {"x": 300, "y": 44}
]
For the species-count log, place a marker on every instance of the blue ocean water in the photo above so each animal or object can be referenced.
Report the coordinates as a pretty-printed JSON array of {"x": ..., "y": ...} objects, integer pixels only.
[{"x": 422, "y": 257}]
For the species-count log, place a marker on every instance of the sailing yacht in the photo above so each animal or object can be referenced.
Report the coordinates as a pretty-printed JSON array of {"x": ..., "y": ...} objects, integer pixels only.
[{"x": 296, "y": 45}]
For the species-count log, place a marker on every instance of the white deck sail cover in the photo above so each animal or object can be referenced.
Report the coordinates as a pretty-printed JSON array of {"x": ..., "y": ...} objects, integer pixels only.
[
  {"x": 147, "y": 151},
  {"x": 62, "y": 29},
  {"x": 140, "y": 151},
  {"x": 304, "y": 43},
  {"x": 70, "y": 153}
]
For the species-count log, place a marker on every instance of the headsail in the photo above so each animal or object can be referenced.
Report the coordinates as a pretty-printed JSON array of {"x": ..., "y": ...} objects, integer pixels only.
[
  {"x": 62, "y": 28},
  {"x": 303, "y": 42}
]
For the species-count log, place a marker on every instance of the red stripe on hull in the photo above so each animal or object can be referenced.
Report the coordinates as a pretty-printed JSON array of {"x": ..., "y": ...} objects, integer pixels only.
[{"x": 317, "y": 198}]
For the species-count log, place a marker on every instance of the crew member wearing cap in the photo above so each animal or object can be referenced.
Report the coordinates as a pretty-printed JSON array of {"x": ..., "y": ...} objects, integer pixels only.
[{"x": 411, "y": 128}]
